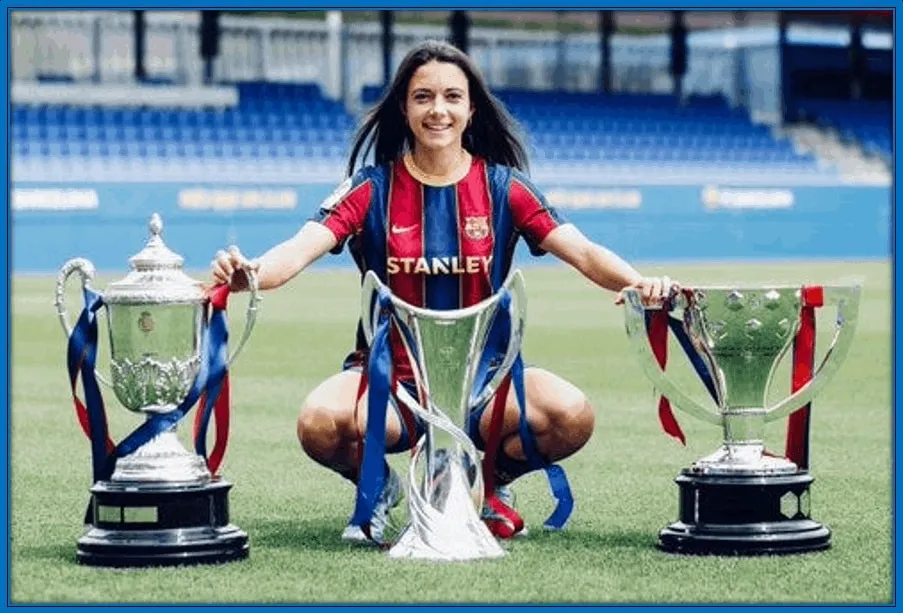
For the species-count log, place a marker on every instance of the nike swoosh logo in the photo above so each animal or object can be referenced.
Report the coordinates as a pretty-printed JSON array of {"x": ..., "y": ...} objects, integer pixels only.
[{"x": 402, "y": 230}]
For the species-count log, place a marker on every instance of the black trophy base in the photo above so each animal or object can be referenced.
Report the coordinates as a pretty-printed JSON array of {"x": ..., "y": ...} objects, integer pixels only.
[
  {"x": 131, "y": 525},
  {"x": 744, "y": 516}
]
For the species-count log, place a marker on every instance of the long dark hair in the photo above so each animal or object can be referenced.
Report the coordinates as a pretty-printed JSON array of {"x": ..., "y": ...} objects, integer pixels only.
[{"x": 493, "y": 134}]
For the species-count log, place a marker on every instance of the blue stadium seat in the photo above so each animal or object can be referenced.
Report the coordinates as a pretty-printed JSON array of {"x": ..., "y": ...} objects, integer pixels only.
[
  {"x": 283, "y": 121},
  {"x": 868, "y": 122}
]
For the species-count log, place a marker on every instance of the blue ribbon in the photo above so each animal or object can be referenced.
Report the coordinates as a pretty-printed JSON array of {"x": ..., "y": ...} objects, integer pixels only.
[
  {"x": 82, "y": 347},
  {"x": 695, "y": 359},
  {"x": 500, "y": 331},
  {"x": 372, "y": 476},
  {"x": 558, "y": 481},
  {"x": 702, "y": 371},
  {"x": 81, "y": 356}
]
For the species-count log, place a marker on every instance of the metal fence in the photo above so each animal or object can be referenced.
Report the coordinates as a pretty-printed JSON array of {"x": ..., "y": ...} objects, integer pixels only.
[{"x": 98, "y": 46}]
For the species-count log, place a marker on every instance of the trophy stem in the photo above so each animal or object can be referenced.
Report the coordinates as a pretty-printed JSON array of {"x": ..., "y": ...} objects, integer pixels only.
[
  {"x": 445, "y": 498},
  {"x": 162, "y": 459},
  {"x": 445, "y": 525},
  {"x": 743, "y": 447}
]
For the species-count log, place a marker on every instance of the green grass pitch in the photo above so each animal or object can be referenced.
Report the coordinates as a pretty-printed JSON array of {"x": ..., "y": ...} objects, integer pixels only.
[{"x": 294, "y": 510}]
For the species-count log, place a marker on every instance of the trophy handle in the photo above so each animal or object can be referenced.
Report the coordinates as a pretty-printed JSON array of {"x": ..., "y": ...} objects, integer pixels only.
[
  {"x": 251, "y": 316},
  {"x": 517, "y": 308},
  {"x": 635, "y": 318},
  {"x": 85, "y": 269},
  {"x": 846, "y": 299},
  {"x": 369, "y": 287}
]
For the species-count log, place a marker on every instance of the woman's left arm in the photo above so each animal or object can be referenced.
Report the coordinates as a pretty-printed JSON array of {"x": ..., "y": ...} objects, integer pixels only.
[{"x": 600, "y": 265}]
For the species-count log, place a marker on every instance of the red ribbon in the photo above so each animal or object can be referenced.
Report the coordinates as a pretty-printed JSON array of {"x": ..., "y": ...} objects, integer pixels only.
[
  {"x": 81, "y": 412},
  {"x": 221, "y": 419},
  {"x": 512, "y": 522},
  {"x": 797, "y": 446},
  {"x": 219, "y": 298},
  {"x": 658, "y": 338}
]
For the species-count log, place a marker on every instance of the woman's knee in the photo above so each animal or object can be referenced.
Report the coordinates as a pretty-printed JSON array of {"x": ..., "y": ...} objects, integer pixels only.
[
  {"x": 580, "y": 419},
  {"x": 326, "y": 415},
  {"x": 316, "y": 423},
  {"x": 570, "y": 420},
  {"x": 564, "y": 413}
]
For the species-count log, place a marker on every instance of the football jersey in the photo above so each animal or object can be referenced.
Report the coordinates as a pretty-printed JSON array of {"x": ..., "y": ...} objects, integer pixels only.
[{"x": 435, "y": 247}]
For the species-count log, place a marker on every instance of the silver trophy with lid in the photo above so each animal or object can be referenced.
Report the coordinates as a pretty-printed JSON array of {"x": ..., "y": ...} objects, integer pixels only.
[{"x": 161, "y": 504}]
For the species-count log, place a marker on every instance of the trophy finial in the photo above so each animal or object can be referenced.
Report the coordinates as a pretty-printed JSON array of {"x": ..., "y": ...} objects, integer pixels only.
[
  {"x": 155, "y": 255},
  {"x": 155, "y": 225}
]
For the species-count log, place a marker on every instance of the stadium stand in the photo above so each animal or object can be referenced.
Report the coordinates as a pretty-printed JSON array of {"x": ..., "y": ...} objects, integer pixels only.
[
  {"x": 278, "y": 120},
  {"x": 281, "y": 124},
  {"x": 866, "y": 122},
  {"x": 631, "y": 133}
]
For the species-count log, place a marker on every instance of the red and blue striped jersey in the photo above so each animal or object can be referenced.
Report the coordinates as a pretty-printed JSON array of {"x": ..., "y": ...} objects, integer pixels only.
[{"x": 437, "y": 247}]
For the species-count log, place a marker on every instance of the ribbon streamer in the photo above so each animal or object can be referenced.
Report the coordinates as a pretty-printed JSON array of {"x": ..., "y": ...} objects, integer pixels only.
[
  {"x": 797, "y": 445},
  {"x": 657, "y": 324},
  {"x": 372, "y": 474}
]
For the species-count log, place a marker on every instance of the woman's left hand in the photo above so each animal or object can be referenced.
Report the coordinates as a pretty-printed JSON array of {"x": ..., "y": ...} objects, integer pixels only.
[{"x": 653, "y": 290}]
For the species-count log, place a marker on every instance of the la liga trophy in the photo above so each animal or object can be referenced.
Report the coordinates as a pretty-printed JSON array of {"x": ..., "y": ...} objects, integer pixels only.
[
  {"x": 154, "y": 503},
  {"x": 743, "y": 499}
]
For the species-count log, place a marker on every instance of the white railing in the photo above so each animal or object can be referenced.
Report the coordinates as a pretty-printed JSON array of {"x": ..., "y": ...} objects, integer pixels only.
[{"x": 99, "y": 46}]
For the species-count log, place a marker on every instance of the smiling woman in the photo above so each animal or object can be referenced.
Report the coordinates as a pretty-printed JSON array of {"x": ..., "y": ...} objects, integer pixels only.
[
  {"x": 439, "y": 110},
  {"x": 437, "y": 217}
]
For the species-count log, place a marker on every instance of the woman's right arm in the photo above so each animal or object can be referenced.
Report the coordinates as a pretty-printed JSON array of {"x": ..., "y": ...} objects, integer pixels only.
[{"x": 280, "y": 264}]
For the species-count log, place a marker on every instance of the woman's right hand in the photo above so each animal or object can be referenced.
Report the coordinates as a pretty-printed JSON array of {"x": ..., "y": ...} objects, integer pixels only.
[{"x": 231, "y": 267}]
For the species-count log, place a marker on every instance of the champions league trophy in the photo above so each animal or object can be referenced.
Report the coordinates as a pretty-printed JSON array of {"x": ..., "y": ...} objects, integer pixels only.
[
  {"x": 742, "y": 499},
  {"x": 459, "y": 359},
  {"x": 154, "y": 503}
]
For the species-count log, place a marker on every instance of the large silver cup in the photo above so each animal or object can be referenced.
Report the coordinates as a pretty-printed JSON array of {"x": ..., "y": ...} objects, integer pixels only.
[
  {"x": 445, "y": 483},
  {"x": 740, "y": 334},
  {"x": 155, "y": 319}
]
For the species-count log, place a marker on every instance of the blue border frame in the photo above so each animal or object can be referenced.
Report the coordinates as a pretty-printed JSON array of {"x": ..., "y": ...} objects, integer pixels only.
[
  {"x": 7, "y": 290},
  {"x": 456, "y": 4},
  {"x": 895, "y": 423},
  {"x": 648, "y": 5}
]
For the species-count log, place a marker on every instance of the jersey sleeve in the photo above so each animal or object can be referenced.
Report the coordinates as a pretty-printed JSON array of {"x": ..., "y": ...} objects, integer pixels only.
[
  {"x": 343, "y": 212},
  {"x": 533, "y": 216}
]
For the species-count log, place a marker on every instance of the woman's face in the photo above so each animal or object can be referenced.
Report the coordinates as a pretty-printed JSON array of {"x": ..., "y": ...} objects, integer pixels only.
[{"x": 437, "y": 106}]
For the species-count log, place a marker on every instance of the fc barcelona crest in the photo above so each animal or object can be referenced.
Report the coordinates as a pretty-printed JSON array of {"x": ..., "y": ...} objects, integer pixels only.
[{"x": 476, "y": 228}]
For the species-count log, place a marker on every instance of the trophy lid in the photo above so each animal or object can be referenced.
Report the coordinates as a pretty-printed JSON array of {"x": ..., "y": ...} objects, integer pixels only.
[
  {"x": 155, "y": 255},
  {"x": 156, "y": 275}
]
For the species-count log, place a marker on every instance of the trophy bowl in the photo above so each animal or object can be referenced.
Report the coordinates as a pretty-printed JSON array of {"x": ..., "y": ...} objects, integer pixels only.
[{"x": 161, "y": 505}]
